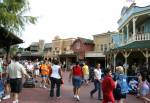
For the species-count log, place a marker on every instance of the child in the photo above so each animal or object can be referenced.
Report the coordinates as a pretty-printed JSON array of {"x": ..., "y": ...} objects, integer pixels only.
[{"x": 143, "y": 87}]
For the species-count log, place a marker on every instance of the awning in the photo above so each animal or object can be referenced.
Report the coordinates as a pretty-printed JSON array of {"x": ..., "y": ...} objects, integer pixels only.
[
  {"x": 94, "y": 54},
  {"x": 145, "y": 44},
  {"x": 7, "y": 38}
]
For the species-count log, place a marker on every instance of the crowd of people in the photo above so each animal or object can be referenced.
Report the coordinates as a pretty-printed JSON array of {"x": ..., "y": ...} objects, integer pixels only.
[{"x": 111, "y": 87}]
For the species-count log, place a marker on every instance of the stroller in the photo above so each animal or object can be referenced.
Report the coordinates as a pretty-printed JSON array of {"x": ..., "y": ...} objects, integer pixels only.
[
  {"x": 29, "y": 83},
  {"x": 133, "y": 86}
]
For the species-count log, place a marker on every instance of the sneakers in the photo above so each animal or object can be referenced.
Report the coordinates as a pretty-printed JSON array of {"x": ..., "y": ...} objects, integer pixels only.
[
  {"x": 58, "y": 97},
  {"x": 16, "y": 101},
  {"x": 74, "y": 96},
  {"x": 44, "y": 87},
  {"x": 6, "y": 97},
  {"x": 78, "y": 98}
]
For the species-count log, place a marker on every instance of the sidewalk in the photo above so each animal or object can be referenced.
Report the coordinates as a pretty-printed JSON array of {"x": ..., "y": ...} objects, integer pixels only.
[{"x": 40, "y": 95}]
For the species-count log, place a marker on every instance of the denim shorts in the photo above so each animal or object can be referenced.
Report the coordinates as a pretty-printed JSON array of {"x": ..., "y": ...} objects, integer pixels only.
[
  {"x": 76, "y": 81},
  {"x": 44, "y": 76}
]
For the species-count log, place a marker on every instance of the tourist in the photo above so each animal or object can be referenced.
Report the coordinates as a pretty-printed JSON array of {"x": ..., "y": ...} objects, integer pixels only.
[
  {"x": 76, "y": 74},
  {"x": 97, "y": 81},
  {"x": 122, "y": 82},
  {"x": 85, "y": 70},
  {"x": 144, "y": 89},
  {"x": 108, "y": 85},
  {"x": 56, "y": 79},
  {"x": 15, "y": 73},
  {"x": 44, "y": 70}
]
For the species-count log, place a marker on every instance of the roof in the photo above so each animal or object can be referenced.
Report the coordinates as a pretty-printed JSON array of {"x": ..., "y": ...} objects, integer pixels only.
[
  {"x": 136, "y": 45},
  {"x": 7, "y": 38},
  {"x": 34, "y": 44},
  {"x": 48, "y": 45},
  {"x": 86, "y": 41}
]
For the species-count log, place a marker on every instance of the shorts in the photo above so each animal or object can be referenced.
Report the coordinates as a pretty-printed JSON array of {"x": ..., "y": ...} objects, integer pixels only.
[
  {"x": 16, "y": 85},
  {"x": 44, "y": 76},
  {"x": 144, "y": 91},
  {"x": 86, "y": 77},
  {"x": 36, "y": 72},
  {"x": 76, "y": 81},
  {"x": 124, "y": 95}
]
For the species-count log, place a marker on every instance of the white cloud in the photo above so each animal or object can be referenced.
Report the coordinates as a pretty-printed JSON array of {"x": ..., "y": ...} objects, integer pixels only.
[{"x": 73, "y": 18}]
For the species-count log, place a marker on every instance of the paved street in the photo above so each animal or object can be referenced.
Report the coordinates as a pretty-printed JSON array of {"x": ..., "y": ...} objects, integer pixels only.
[{"x": 40, "y": 95}]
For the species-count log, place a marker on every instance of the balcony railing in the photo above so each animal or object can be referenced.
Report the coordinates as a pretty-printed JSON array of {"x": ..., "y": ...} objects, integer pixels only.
[{"x": 137, "y": 37}]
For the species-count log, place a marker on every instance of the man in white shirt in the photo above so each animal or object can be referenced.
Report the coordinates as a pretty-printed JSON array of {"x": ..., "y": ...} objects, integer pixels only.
[
  {"x": 15, "y": 73},
  {"x": 97, "y": 82}
]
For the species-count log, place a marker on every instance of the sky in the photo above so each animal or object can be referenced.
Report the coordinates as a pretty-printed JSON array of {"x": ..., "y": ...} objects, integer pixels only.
[{"x": 73, "y": 18}]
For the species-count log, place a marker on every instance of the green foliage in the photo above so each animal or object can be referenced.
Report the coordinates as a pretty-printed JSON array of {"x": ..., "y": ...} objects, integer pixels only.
[{"x": 12, "y": 15}]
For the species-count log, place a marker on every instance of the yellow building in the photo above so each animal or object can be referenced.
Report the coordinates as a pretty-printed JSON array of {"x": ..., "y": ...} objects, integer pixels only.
[
  {"x": 61, "y": 49},
  {"x": 103, "y": 42}
]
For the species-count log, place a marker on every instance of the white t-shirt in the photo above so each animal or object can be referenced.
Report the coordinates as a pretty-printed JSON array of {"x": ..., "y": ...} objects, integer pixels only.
[
  {"x": 30, "y": 67},
  {"x": 15, "y": 70},
  {"x": 97, "y": 74},
  {"x": 55, "y": 71}
]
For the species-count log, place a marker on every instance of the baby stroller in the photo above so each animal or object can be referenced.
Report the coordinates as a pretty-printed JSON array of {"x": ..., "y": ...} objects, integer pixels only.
[
  {"x": 133, "y": 86},
  {"x": 29, "y": 83}
]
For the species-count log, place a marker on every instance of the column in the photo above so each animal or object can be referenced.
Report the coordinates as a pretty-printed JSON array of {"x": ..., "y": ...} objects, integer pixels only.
[
  {"x": 127, "y": 32},
  {"x": 122, "y": 35},
  {"x": 134, "y": 27},
  {"x": 115, "y": 54},
  {"x": 126, "y": 66},
  {"x": 147, "y": 55}
]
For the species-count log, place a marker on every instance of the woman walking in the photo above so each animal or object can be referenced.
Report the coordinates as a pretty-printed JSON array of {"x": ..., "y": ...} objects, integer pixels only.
[
  {"x": 55, "y": 77},
  {"x": 108, "y": 85}
]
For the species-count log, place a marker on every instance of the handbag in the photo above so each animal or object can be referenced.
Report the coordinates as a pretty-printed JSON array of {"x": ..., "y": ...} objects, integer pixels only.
[{"x": 61, "y": 82}]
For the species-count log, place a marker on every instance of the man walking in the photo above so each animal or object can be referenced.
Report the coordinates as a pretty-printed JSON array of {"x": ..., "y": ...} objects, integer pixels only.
[
  {"x": 15, "y": 72},
  {"x": 97, "y": 81}
]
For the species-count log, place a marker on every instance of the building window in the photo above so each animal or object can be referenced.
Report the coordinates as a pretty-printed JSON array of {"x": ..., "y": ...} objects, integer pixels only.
[
  {"x": 101, "y": 47},
  {"x": 65, "y": 49},
  {"x": 53, "y": 52},
  {"x": 105, "y": 47},
  {"x": 57, "y": 52}
]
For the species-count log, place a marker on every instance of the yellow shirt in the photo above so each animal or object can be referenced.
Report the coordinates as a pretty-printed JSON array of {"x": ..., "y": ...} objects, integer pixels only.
[{"x": 85, "y": 70}]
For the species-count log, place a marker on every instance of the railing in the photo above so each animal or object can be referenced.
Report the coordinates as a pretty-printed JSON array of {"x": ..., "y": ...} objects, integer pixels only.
[{"x": 137, "y": 37}]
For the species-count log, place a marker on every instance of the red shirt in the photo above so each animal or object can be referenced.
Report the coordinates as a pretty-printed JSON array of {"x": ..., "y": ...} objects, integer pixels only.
[
  {"x": 77, "y": 71},
  {"x": 108, "y": 85}
]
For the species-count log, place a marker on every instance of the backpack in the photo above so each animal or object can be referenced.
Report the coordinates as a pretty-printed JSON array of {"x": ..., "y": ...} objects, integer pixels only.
[{"x": 122, "y": 81}]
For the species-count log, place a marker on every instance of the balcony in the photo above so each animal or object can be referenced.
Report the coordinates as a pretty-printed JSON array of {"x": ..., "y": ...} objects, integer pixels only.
[{"x": 137, "y": 37}]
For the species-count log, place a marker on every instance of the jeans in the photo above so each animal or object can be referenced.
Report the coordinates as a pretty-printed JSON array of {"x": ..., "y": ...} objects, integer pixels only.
[
  {"x": 57, "y": 82},
  {"x": 97, "y": 87}
]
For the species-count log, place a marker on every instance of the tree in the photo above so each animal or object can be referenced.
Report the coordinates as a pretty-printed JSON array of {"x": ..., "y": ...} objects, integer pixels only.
[{"x": 12, "y": 15}]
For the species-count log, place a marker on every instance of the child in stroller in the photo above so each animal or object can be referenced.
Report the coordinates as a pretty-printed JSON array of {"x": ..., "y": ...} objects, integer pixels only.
[{"x": 133, "y": 86}]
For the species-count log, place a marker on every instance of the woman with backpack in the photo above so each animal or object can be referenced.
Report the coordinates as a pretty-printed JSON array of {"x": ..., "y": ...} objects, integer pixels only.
[
  {"x": 77, "y": 75},
  {"x": 121, "y": 85}
]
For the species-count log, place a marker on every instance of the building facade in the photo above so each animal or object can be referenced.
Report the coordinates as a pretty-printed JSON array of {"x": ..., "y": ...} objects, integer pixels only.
[
  {"x": 134, "y": 30},
  {"x": 103, "y": 42},
  {"x": 48, "y": 51},
  {"x": 80, "y": 46}
]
